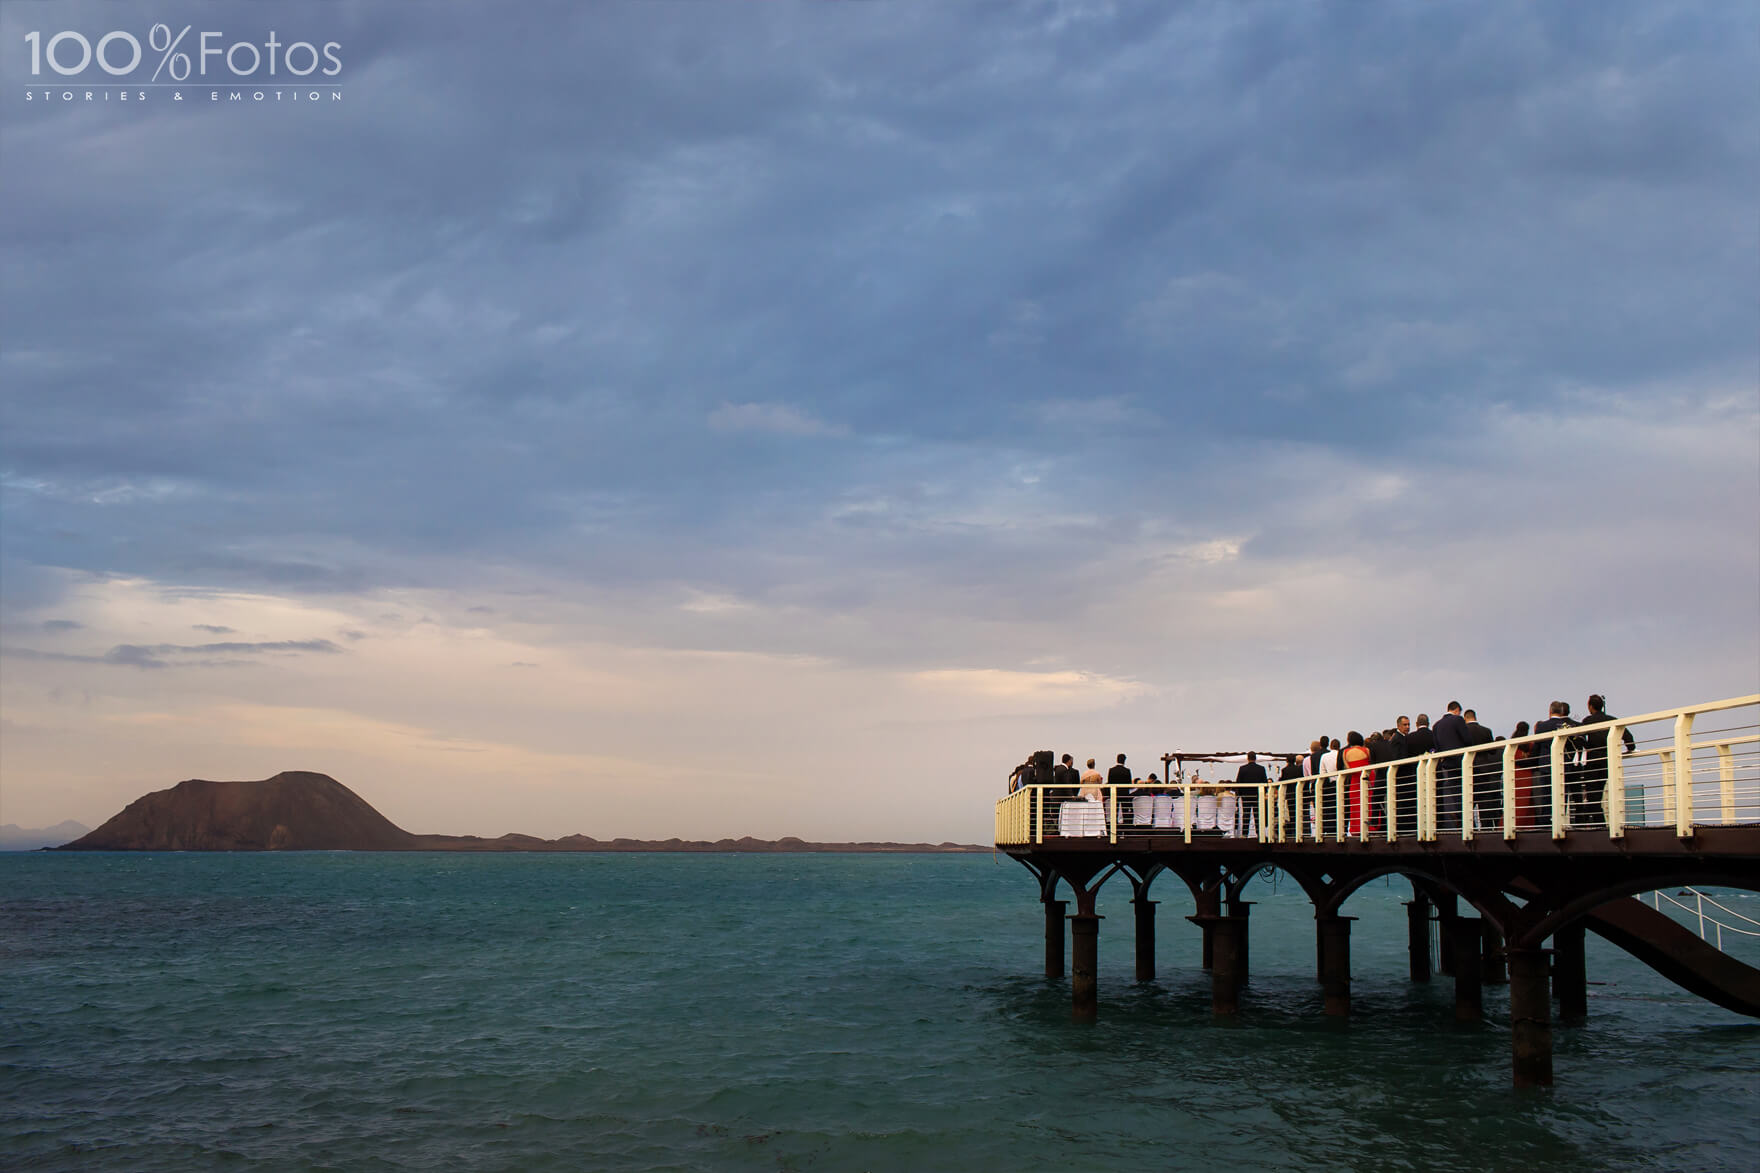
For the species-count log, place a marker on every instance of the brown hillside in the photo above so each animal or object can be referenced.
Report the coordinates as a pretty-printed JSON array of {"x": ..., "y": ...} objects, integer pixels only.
[
  {"x": 293, "y": 811},
  {"x": 303, "y": 811}
]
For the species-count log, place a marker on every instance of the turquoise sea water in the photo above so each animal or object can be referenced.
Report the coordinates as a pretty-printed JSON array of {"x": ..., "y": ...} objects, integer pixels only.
[{"x": 531, "y": 1012}]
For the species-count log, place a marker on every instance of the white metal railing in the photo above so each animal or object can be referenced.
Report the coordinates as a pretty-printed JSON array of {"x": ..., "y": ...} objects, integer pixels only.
[
  {"x": 1709, "y": 918},
  {"x": 1695, "y": 766},
  {"x": 1700, "y": 900}
]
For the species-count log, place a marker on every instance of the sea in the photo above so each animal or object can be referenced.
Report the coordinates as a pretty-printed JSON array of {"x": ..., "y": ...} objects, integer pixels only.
[{"x": 345, "y": 1011}]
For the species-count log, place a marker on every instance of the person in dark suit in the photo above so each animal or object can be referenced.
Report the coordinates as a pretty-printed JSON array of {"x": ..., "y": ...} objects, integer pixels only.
[
  {"x": 1292, "y": 773},
  {"x": 1120, "y": 775},
  {"x": 1556, "y": 718},
  {"x": 1380, "y": 753},
  {"x": 1451, "y": 737},
  {"x": 1487, "y": 775},
  {"x": 1595, "y": 758},
  {"x": 1251, "y": 779},
  {"x": 1064, "y": 774},
  {"x": 1419, "y": 740}
]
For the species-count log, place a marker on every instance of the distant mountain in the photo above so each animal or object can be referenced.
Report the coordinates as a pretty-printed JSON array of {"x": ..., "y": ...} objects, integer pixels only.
[
  {"x": 16, "y": 838},
  {"x": 301, "y": 811}
]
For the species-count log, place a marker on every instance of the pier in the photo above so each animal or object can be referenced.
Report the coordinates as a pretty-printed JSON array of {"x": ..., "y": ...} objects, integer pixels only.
[{"x": 1515, "y": 849}]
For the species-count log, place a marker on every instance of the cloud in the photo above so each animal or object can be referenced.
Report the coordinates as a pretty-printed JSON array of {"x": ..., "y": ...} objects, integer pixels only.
[
  {"x": 211, "y": 628},
  {"x": 776, "y": 418}
]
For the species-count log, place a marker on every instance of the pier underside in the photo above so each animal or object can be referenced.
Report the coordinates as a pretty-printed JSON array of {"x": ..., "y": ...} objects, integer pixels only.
[{"x": 1510, "y": 911}]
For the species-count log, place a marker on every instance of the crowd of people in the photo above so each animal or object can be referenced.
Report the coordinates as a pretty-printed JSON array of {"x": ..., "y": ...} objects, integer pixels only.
[{"x": 1373, "y": 766}]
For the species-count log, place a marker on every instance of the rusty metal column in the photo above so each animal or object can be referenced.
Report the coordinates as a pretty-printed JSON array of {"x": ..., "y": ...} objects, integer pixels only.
[
  {"x": 1335, "y": 963},
  {"x": 1492, "y": 971},
  {"x": 1054, "y": 910},
  {"x": 1530, "y": 1017},
  {"x": 1570, "y": 975},
  {"x": 1418, "y": 935},
  {"x": 1209, "y": 907},
  {"x": 1447, "y": 908},
  {"x": 1145, "y": 939},
  {"x": 1084, "y": 967},
  {"x": 1465, "y": 937},
  {"x": 1240, "y": 910},
  {"x": 1226, "y": 974}
]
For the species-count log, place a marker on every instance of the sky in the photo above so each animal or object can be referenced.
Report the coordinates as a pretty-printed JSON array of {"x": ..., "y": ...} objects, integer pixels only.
[{"x": 720, "y": 419}]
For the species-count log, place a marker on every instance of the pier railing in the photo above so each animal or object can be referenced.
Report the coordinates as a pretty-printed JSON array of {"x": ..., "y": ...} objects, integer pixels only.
[{"x": 1694, "y": 766}]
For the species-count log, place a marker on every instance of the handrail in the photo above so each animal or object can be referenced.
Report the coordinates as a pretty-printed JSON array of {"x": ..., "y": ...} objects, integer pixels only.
[
  {"x": 1662, "y": 767},
  {"x": 1657, "y": 897}
]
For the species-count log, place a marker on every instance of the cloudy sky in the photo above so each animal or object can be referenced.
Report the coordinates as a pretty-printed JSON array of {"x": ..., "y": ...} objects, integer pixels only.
[{"x": 720, "y": 419}]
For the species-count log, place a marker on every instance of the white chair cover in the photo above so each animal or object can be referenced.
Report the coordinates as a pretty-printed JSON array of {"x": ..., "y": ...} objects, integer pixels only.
[
  {"x": 1227, "y": 806},
  {"x": 1143, "y": 810},
  {"x": 1204, "y": 813},
  {"x": 1167, "y": 810}
]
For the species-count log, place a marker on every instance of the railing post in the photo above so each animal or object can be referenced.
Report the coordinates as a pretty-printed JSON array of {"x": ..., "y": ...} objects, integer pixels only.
[
  {"x": 1726, "y": 781},
  {"x": 1560, "y": 808},
  {"x": 1185, "y": 792},
  {"x": 1616, "y": 781},
  {"x": 1427, "y": 799},
  {"x": 1683, "y": 783},
  {"x": 1469, "y": 811},
  {"x": 1509, "y": 790},
  {"x": 1112, "y": 799},
  {"x": 1038, "y": 814}
]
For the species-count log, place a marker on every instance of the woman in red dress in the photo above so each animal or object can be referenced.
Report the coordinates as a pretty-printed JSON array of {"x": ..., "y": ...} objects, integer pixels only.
[
  {"x": 1524, "y": 779},
  {"x": 1357, "y": 785}
]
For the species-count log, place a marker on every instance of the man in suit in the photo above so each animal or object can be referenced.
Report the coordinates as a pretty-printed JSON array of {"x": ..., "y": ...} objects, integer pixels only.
[
  {"x": 1120, "y": 775},
  {"x": 1487, "y": 775},
  {"x": 1557, "y": 717},
  {"x": 1419, "y": 740},
  {"x": 1250, "y": 779},
  {"x": 1451, "y": 737},
  {"x": 1064, "y": 774},
  {"x": 1292, "y": 773}
]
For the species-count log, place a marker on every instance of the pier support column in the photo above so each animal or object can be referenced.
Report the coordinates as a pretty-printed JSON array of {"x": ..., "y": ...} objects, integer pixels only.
[
  {"x": 1209, "y": 904},
  {"x": 1465, "y": 936},
  {"x": 1530, "y": 1017},
  {"x": 1335, "y": 963},
  {"x": 1570, "y": 975},
  {"x": 1493, "y": 972},
  {"x": 1054, "y": 910},
  {"x": 1241, "y": 910},
  {"x": 1418, "y": 935},
  {"x": 1229, "y": 934},
  {"x": 1084, "y": 931},
  {"x": 1145, "y": 939},
  {"x": 1447, "y": 908}
]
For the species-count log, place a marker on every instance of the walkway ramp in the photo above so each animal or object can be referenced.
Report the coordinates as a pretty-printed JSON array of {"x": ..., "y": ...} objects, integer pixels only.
[{"x": 1677, "y": 953}]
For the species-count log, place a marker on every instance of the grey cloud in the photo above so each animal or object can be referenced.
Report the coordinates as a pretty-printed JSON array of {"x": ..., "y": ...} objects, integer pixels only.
[
  {"x": 512, "y": 281},
  {"x": 155, "y": 656},
  {"x": 62, "y": 625},
  {"x": 211, "y": 628}
]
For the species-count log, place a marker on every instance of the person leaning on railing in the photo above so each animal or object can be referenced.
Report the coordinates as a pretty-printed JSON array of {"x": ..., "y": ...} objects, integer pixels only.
[{"x": 1594, "y": 741}]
